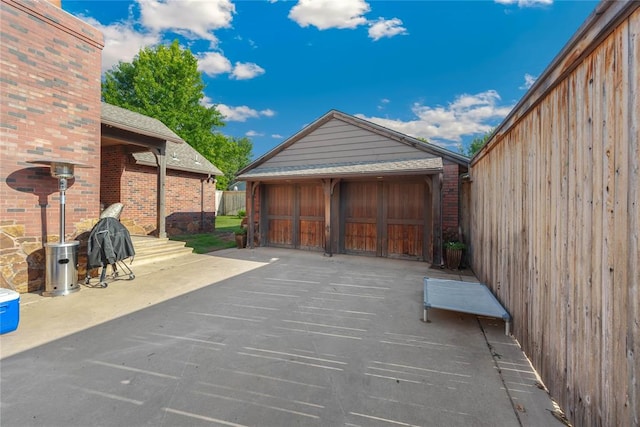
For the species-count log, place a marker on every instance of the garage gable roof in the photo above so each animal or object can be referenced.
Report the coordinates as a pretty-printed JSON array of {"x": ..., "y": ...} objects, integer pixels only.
[
  {"x": 339, "y": 140},
  {"x": 433, "y": 164}
]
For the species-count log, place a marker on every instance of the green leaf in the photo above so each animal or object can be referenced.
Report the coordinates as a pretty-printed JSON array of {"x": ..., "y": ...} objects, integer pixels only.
[{"x": 163, "y": 82}]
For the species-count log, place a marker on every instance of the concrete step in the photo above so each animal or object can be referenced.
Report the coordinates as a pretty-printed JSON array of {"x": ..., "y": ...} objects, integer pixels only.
[{"x": 151, "y": 249}]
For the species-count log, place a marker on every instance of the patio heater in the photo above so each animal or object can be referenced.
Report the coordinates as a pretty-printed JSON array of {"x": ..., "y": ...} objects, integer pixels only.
[{"x": 61, "y": 276}]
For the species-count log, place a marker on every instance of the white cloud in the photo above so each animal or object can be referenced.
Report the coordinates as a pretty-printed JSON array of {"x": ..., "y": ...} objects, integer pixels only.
[
  {"x": 242, "y": 113},
  {"x": 213, "y": 63},
  {"x": 191, "y": 18},
  {"x": 325, "y": 14},
  {"x": 383, "y": 103},
  {"x": 122, "y": 41},
  {"x": 246, "y": 70},
  {"x": 276, "y": 136},
  {"x": 526, "y": 3},
  {"x": 253, "y": 133},
  {"x": 386, "y": 28},
  {"x": 466, "y": 115},
  {"x": 529, "y": 80}
]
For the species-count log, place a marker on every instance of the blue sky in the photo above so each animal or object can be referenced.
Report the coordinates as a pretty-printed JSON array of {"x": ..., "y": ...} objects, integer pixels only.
[{"x": 447, "y": 71}]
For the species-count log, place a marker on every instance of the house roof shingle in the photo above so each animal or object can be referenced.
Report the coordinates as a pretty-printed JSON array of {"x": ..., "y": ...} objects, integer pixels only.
[
  {"x": 122, "y": 118},
  {"x": 348, "y": 169},
  {"x": 180, "y": 155}
]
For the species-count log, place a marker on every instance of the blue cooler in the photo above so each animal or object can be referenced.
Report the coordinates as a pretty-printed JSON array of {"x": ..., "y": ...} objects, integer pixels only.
[{"x": 9, "y": 310}]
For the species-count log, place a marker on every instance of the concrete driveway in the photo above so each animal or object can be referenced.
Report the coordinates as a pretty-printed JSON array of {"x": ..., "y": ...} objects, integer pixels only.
[{"x": 264, "y": 337}]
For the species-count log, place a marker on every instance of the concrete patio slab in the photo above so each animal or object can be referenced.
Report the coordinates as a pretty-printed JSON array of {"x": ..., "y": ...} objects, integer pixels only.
[{"x": 265, "y": 337}]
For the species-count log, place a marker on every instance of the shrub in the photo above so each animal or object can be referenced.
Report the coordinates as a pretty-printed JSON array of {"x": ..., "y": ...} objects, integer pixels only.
[
  {"x": 451, "y": 239},
  {"x": 455, "y": 245}
]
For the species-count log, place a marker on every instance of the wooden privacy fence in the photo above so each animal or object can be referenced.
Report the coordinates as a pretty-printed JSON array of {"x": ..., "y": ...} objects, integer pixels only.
[
  {"x": 232, "y": 202},
  {"x": 555, "y": 220}
]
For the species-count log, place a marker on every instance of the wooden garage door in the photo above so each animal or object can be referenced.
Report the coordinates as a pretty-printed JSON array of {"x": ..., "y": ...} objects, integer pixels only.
[
  {"x": 384, "y": 218},
  {"x": 295, "y": 216},
  {"x": 279, "y": 215},
  {"x": 360, "y": 202},
  {"x": 311, "y": 218},
  {"x": 405, "y": 213}
]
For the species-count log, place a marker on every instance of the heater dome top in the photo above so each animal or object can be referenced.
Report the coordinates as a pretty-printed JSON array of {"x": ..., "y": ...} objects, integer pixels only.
[{"x": 60, "y": 168}]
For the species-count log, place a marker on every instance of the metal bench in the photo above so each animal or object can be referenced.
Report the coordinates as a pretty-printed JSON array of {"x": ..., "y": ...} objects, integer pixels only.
[{"x": 465, "y": 297}]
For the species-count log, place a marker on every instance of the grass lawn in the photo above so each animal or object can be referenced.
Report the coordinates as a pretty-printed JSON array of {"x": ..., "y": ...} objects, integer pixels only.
[{"x": 222, "y": 238}]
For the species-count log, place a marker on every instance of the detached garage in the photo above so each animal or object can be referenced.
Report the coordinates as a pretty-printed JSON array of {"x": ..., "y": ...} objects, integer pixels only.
[{"x": 346, "y": 185}]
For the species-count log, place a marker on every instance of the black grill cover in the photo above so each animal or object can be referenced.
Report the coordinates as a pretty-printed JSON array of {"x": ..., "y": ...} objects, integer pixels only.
[{"x": 109, "y": 241}]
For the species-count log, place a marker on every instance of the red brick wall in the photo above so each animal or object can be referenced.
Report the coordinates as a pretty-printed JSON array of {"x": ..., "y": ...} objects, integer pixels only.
[
  {"x": 189, "y": 201},
  {"x": 139, "y": 189},
  {"x": 450, "y": 196},
  {"x": 189, "y": 195},
  {"x": 112, "y": 165},
  {"x": 49, "y": 108}
]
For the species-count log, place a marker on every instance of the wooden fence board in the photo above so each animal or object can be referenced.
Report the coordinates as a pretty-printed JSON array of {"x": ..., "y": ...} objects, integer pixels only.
[
  {"x": 607, "y": 101},
  {"x": 555, "y": 217},
  {"x": 572, "y": 240},
  {"x": 563, "y": 302},
  {"x": 632, "y": 409},
  {"x": 232, "y": 202}
]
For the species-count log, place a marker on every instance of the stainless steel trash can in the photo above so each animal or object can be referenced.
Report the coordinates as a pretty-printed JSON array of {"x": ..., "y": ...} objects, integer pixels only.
[{"x": 62, "y": 268}]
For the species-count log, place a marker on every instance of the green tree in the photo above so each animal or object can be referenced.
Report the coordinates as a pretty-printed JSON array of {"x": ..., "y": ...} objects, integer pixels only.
[
  {"x": 235, "y": 154},
  {"x": 479, "y": 142},
  {"x": 164, "y": 82}
]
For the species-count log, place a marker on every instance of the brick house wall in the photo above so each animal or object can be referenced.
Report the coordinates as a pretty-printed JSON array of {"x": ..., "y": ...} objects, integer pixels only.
[
  {"x": 49, "y": 108},
  {"x": 189, "y": 198},
  {"x": 450, "y": 194},
  {"x": 139, "y": 189},
  {"x": 111, "y": 168}
]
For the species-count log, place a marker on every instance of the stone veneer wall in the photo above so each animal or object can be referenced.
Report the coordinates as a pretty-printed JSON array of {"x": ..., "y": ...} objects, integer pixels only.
[{"x": 50, "y": 107}]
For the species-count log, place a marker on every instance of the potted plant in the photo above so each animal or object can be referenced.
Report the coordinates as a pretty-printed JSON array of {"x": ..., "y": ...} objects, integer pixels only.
[
  {"x": 241, "y": 237},
  {"x": 453, "y": 248}
]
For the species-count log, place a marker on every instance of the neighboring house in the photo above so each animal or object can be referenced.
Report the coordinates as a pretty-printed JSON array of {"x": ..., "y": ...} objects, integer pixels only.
[
  {"x": 346, "y": 185},
  {"x": 237, "y": 186},
  {"x": 50, "y": 109}
]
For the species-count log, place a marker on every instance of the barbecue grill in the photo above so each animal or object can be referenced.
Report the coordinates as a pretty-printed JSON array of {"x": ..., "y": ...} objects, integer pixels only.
[{"x": 109, "y": 245}]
